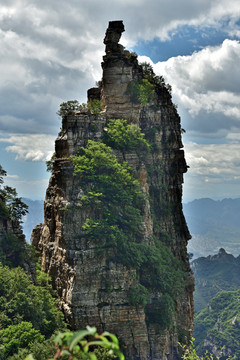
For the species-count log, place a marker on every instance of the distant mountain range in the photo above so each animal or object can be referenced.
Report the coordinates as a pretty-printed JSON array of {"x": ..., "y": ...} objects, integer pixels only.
[
  {"x": 213, "y": 225},
  {"x": 35, "y": 216}
]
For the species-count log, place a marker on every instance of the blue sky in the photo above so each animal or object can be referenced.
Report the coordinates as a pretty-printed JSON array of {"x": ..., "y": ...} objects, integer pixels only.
[{"x": 52, "y": 51}]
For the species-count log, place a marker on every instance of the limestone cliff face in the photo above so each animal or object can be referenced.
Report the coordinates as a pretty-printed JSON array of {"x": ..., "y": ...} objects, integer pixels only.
[{"x": 92, "y": 288}]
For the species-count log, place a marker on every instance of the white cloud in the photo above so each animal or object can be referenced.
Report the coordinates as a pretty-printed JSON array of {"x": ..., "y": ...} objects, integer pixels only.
[
  {"x": 206, "y": 84},
  {"x": 9, "y": 176},
  {"x": 214, "y": 161},
  {"x": 31, "y": 147},
  {"x": 34, "y": 189},
  {"x": 51, "y": 51},
  {"x": 214, "y": 171}
]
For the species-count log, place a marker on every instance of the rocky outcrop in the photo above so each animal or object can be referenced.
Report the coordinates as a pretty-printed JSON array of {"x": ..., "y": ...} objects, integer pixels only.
[{"x": 92, "y": 288}]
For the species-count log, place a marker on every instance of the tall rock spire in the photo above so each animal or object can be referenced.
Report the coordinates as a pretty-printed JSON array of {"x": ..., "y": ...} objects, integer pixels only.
[{"x": 92, "y": 285}]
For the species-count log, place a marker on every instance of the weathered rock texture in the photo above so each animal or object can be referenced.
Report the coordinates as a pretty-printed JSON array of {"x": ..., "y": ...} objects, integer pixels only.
[{"x": 92, "y": 289}]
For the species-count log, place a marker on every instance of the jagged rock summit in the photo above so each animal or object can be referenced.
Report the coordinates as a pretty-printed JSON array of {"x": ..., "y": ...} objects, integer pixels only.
[{"x": 95, "y": 287}]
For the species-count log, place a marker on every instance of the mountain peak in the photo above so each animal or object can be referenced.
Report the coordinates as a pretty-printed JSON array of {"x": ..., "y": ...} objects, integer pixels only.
[{"x": 112, "y": 259}]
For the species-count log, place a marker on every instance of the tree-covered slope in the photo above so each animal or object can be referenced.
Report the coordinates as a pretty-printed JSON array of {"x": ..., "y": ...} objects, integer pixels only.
[
  {"x": 213, "y": 274},
  {"x": 218, "y": 325},
  {"x": 28, "y": 310}
]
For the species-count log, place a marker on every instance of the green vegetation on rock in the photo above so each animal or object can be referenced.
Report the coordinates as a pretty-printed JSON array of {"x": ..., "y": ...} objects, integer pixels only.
[
  {"x": 141, "y": 91},
  {"x": 68, "y": 108},
  {"x": 146, "y": 91},
  {"x": 95, "y": 106},
  {"x": 149, "y": 74},
  {"x": 120, "y": 135},
  {"x": 111, "y": 190}
]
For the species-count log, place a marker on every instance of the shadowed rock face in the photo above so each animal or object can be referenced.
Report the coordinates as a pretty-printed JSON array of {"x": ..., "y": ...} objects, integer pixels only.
[
  {"x": 94, "y": 289},
  {"x": 113, "y": 35}
]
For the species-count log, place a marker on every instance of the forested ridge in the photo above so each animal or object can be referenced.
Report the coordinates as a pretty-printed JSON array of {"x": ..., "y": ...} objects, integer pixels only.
[{"x": 29, "y": 316}]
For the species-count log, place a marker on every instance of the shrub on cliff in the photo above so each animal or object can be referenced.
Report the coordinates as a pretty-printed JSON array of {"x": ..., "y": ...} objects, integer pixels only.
[
  {"x": 68, "y": 108},
  {"x": 109, "y": 187},
  {"x": 95, "y": 106},
  {"x": 141, "y": 91},
  {"x": 148, "y": 73},
  {"x": 120, "y": 135},
  {"x": 146, "y": 91}
]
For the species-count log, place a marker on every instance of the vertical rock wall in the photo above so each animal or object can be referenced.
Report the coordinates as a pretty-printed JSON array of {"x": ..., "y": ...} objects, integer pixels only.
[{"x": 93, "y": 289}]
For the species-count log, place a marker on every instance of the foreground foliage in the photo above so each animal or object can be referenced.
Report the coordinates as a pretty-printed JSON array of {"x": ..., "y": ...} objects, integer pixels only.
[
  {"x": 84, "y": 344},
  {"x": 190, "y": 353},
  {"x": 28, "y": 313}
]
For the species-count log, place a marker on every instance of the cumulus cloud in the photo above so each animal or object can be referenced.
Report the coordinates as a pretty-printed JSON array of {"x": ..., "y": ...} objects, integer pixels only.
[
  {"x": 214, "y": 161},
  {"x": 51, "y": 50},
  {"x": 206, "y": 84},
  {"x": 214, "y": 171},
  {"x": 30, "y": 147}
]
